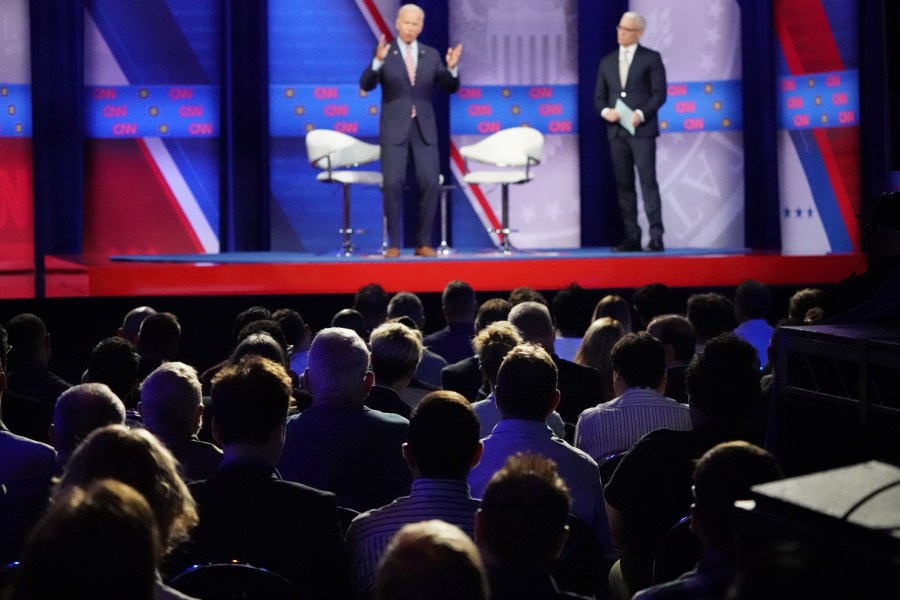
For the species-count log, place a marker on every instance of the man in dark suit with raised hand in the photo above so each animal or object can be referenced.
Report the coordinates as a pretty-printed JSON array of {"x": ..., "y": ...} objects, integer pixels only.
[
  {"x": 408, "y": 71},
  {"x": 636, "y": 76}
]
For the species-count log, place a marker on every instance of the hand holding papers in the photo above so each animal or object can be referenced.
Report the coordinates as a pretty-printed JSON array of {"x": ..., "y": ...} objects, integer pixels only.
[{"x": 626, "y": 116}]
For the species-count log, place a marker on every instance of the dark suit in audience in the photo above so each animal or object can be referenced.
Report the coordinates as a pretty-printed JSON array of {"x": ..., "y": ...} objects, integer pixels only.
[
  {"x": 339, "y": 444},
  {"x": 454, "y": 342},
  {"x": 465, "y": 378},
  {"x": 28, "y": 371},
  {"x": 386, "y": 400},
  {"x": 247, "y": 513}
]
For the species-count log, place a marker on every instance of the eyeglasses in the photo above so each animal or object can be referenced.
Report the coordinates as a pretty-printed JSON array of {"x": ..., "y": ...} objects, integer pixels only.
[{"x": 628, "y": 29}]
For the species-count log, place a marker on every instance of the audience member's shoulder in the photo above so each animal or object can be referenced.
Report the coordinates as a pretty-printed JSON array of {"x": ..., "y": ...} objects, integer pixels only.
[{"x": 385, "y": 417}]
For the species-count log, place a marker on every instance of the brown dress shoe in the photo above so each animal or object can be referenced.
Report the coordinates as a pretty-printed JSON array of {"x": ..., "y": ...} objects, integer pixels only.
[
  {"x": 425, "y": 251},
  {"x": 392, "y": 253}
]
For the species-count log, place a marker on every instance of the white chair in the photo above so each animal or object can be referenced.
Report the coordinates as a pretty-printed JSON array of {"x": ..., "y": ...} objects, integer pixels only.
[
  {"x": 334, "y": 152},
  {"x": 512, "y": 148}
]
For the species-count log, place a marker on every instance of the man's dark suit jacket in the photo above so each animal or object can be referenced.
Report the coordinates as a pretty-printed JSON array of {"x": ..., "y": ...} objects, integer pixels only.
[
  {"x": 465, "y": 377},
  {"x": 352, "y": 451},
  {"x": 398, "y": 95},
  {"x": 247, "y": 513},
  {"x": 580, "y": 387},
  {"x": 387, "y": 400},
  {"x": 453, "y": 342},
  {"x": 645, "y": 89}
]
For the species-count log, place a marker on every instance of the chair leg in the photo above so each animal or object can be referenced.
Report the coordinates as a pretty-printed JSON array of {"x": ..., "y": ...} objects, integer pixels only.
[
  {"x": 444, "y": 248},
  {"x": 504, "y": 222},
  {"x": 347, "y": 247}
]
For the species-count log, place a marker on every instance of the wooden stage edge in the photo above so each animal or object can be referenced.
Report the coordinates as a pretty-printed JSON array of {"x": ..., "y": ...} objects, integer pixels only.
[{"x": 70, "y": 277}]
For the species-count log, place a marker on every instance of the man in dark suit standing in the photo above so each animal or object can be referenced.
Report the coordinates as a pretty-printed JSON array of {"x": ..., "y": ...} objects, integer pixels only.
[
  {"x": 636, "y": 76},
  {"x": 407, "y": 71}
]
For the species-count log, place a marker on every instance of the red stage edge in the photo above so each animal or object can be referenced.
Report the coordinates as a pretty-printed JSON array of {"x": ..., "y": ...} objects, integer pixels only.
[{"x": 77, "y": 277}]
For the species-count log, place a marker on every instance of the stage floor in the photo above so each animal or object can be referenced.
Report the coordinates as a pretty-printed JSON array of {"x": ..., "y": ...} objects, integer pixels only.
[{"x": 255, "y": 273}]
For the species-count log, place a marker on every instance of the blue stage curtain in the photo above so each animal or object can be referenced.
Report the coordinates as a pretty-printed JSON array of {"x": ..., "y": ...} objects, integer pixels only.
[
  {"x": 244, "y": 216},
  {"x": 761, "y": 209},
  {"x": 57, "y": 78},
  {"x": 601, "y": 224},
  {"x": 876, "y": 45}
]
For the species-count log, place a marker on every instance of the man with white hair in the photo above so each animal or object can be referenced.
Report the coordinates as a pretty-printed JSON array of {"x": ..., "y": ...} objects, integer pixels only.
[
  {"x": 631, "y": 87},
  {"x": 172, "y": 409},
  {"x": 339, "y": 444},
  {"x": 408, "y": 72}
]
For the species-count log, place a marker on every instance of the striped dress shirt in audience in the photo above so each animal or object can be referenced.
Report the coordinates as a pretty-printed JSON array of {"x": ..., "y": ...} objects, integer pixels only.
[
  {"x": 369, "y": 533},
  {"x": 616, "y": 425}
]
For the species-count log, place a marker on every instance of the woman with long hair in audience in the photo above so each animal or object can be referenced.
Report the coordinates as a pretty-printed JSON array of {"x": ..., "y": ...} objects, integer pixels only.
[
  {"x": 595, "y": 350},
  {"x": 137, "y": 458},
  {"x": 615, "y": 307}
]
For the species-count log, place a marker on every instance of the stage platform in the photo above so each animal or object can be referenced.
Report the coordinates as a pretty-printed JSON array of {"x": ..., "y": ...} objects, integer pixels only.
[{"x": 262, "y": 273}]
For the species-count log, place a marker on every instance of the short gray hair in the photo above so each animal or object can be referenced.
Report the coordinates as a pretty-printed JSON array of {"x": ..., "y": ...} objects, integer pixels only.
[
  {"x": 637, "y": 18},
  {"x": 170, "y": 396},
  {"x": 338, "y": 361},
  {"x": 411, "y": 6}
]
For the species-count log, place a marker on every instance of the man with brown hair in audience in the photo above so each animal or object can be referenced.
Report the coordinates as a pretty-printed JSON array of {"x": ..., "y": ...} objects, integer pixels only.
[
  {"x": 248, "y": 513},
  {"x": 465, "y": 376},
  {"x": 526, "y": 394},
  {"x": 396, "y": 351},
  {"x": 443, "y": 446},
  {"x": 454, "y": 342},
  {"x": 521, "y": 529}
]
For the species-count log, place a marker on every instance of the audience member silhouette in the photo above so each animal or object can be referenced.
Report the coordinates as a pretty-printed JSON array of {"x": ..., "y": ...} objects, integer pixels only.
[
  {"x": 521, "y": 529},
  {"x": 491, "y": 345},
  {"x": 28, "y": 367},
  {"x": 526, "y": 394},
  {"x": 677, "y": 336},
  {"x": 243, "y": 318},
  {"x": 396, "y": 350},
  {"x": 431, "y": 560},
  {"x": 723, "y": 475},
  {"x": 158, "y": 341},
  {"x": 443, "y": 446},
  {"x": 454, "y": 342},
  {"x": 22, "y": 415},
  {"x": 131, "y": 324},
  {"x": 172, "y": 409},
  {"x": 651, "y": 487},
  {"x": 339, "y": 444},
  {"x": 615, "y": 307},
  {"x": 297, "y": 334},
  {"x": 114, "y": 361},
  {"x": 595, "y": 351},
  {"x": 465, "y": 376},
  {"x": 407, "y": 304},
  {"x": 579, "y": 386},
  {"x": 26, "y": 469},
  {"x": 247, "y": 512},
  {"x": 99, "y": 542},
  {"x": 639, "y": 380},
  {"x": 651, "y": 301},
  {"x": 806, "y": 300},
  {"x": 711, "y": 314},
  {"x": 752, "y": 301},
  {"x": 371, "y": 301},
  {"x": 571, "y": 312},
  {"x": 349, "y": 318},
  {"x": 526, "y": 294}
]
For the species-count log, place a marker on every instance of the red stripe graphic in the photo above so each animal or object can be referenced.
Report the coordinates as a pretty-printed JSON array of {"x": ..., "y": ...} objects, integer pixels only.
[
  {"x": 808, "y": 44},
  {"x": 173, "y": 201},
  {"x": 379, "y": 20}
]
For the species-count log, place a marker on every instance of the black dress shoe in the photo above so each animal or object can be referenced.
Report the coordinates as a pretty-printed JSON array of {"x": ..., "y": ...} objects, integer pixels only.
[
  {"x": 655, "y": 246},
  {"x": 628, "y": 246}
]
